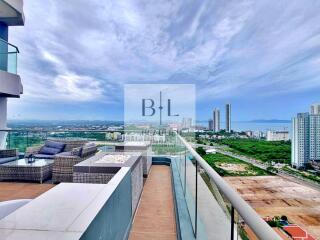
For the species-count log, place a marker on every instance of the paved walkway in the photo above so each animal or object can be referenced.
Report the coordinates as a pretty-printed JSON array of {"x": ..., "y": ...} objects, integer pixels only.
[
  {"x": 155, "y": 217},
  {"x": 12, "y": 191}
]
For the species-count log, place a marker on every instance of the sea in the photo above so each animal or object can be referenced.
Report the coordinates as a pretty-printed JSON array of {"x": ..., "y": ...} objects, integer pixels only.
[{"x": 262, "y": 126}]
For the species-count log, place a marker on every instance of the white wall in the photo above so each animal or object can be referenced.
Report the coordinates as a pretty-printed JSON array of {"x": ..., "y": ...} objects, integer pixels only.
[{"x": 10, "y": 84}]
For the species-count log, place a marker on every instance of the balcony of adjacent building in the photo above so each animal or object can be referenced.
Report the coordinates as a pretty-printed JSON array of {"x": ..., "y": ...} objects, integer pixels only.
[
  {"x": 11, "y": 14},
  {"x": 10, "y": 82},
  {"x": 155, "y": 187}
]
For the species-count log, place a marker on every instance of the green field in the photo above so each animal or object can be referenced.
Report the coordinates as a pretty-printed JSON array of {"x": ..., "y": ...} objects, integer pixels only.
[
  {"x": 260, "y": 149},
  {"x": 229, "y": 166},
  {"x": 22, "y": 140},
  {"x": 302, "y": 174},
  {"x": 162, "y": 149}
]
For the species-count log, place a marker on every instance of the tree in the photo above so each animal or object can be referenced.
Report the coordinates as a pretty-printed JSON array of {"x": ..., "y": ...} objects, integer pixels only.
[
  {"x": 199, "y": 141},
  {"x": 201, "y": 151}
]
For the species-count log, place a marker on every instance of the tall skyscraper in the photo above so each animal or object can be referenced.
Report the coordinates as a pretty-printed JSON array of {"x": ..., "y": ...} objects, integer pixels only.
[
  {"x": 228, "y": 117},
  {"x": 306, "y": 137},
  {"x": 216, "y": 120},
  {"x": 210, "y": 124}
]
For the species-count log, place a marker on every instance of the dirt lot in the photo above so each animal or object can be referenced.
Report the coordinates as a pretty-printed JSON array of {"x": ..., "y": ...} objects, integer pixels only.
[
  {"x": 273, "y": 195},
  {"x": 233, "y": 167}
]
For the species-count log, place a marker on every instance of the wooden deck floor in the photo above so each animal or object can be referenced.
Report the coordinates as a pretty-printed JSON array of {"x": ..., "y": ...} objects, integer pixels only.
[
  {"x": 12, "y": 190},
  {"x": 155, "y": 217}
]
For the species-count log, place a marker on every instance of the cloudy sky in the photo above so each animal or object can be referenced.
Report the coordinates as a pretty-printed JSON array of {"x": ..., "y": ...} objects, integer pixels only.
[{"x": 76, "y": 55}]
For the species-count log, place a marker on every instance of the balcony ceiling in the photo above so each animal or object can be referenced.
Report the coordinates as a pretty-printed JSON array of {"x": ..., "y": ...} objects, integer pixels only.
[{"x": 11, "y": 12}]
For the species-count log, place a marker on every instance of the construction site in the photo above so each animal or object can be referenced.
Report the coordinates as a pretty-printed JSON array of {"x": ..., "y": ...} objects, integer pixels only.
[{"x": 276, "y": 196}]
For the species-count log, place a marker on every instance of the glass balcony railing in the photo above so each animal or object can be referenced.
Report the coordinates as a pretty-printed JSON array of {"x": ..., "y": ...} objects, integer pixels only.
[
  {"x": 8, "y": 57},
  {"x": 207, "y": 207}
]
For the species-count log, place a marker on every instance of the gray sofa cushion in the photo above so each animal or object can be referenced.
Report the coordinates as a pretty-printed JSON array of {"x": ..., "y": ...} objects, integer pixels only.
[
  {"x": 90, "y": 144},
  {"x": 57, "y": 145},
  {"x": 8, "y": 159},
  {"x": 44, "y": 156},
  {"x": 64, "y": 154},
  {"x": 49, "y": 150},
  {"x": 88, "y": 149}
]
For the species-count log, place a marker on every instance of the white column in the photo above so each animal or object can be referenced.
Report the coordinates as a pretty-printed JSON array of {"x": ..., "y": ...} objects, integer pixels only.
[{"x": 3, "y": 121}]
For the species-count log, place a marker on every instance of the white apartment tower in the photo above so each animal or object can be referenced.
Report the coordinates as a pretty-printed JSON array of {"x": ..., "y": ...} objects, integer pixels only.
[
  {"x": 11, "y": 14},
  {"x": 216, "y": 120},
  {"x": 315, "y": 109},
  {"x": 306, "y": 137}
]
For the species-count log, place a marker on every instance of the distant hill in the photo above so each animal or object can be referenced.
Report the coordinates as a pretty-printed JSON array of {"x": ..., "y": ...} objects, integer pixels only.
[
  {"x": 255, "y": 121},
  {"x": 270, "y": 121}
]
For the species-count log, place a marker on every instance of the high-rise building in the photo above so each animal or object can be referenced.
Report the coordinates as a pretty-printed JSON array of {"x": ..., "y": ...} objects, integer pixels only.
[
  {"x": 228, "y": 117},
  {"x": 315, "y": 108},
  {"x": 186, "y": 122},
  {"x": 210, "y": 124},
  {"x": 11, "y": 14},
  {"x": 306, "y": 137},
  {"x": 216, "y": 120}
]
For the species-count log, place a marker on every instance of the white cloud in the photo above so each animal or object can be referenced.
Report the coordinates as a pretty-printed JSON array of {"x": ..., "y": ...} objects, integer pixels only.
[
  {"x": 80, "y": 49},
  {"x": 78, "y": 88}
]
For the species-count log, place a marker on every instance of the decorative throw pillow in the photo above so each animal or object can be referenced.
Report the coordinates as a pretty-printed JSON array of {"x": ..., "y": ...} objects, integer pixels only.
[
  {"x": 57, "y": 145},
  {"x": 49, "y": 151},
  {"x": 77, "y": 151}
]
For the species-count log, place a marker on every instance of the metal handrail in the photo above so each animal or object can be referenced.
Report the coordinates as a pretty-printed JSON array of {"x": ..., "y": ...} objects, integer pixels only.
[
  {"x": 251, "y": 218},
  {"x": 10, "y": 44}
]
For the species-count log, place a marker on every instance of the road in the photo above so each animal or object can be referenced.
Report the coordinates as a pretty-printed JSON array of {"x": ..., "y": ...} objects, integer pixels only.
[{"x": 259, "y": 164}]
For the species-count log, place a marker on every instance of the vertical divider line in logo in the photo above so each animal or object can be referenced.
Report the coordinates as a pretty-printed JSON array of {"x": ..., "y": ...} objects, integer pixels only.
[{"x": 160, "y": 107}]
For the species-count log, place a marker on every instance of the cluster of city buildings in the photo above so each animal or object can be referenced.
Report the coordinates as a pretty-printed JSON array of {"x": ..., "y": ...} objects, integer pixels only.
[
  {"x": 306, "y": 138},
  {"x": 270, "y": 135},
  {"x": 136, "y": 137},
  {"x": 214, "y": 123}
]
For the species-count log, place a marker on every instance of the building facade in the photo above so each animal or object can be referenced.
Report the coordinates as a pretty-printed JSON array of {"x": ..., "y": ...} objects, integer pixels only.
[
  {"x": 10, "y": 82},
  {"x": 277, "y": 135},
  {"x": 210, "y": 124},
  {"x": 315, "y": 109},
  {"x": 186, "y": 123},
  {"x": 306, "y": 137},
  {"x": 216, "y": 120},
  {"x": 228, "y": 118}
]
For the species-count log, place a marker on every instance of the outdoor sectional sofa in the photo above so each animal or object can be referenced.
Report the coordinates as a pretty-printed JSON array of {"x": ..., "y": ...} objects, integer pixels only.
[
  {"x": 65, "y": 145},
  {"x": 74, "y": 151},
  {"x": 64, "y": 162}
]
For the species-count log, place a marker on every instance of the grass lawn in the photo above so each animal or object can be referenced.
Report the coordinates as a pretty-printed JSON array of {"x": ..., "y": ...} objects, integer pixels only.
[
  {"x": 260, "y": 149},
  {"x": 229, "y": 166}
]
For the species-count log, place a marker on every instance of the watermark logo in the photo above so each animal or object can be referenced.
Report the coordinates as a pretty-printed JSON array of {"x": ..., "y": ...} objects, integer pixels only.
[
  {"x": 159, "y": 104},
  {"x": 150, "y": 104}
]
